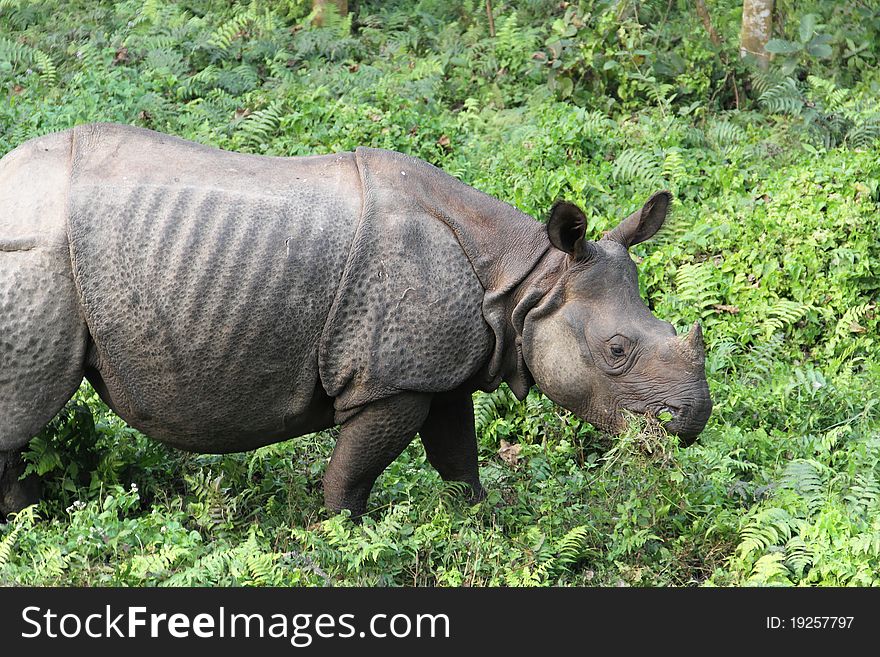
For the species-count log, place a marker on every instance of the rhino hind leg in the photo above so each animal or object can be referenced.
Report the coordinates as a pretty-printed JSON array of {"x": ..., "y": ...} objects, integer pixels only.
[
  {"x": 16, "y": 493},
  {"x": 43, "y": 341},
  {"x": 369, "y": 441},
  {"x": 450, "y": 441}
]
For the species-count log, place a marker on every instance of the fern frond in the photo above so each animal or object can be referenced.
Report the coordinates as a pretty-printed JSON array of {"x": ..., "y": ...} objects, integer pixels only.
[
  {"x": 864, "y": 493},
  {"x": 782, "y": 313},
  {"x": 865, "y": 133},
  {"x": 805, "y": 478},
  {"x": 595, "y": 122},
  {"x": 25, "y": 55},
  {"x": 44, "y": 63},
  {"x": 638, "y": 165},
  {"x": 674, "y": 169},
  {"x": 148, "y": 566},
  {"x": 238, "y": 80},
  {"x": 23, "y": 521},
  {"x": 489, "y": 406},
  {"x": 848, "y": 324},
  {"x": 798, "y": 555},
  {"x": 767, "y": 528},
  {"x": 762, "y": 357},
  {"x": 770, "y": 569},
  {"x": 230, "y": 31},
  {"x": 695, "y": 285},
  {"x": 259, "y": 127},
  {"x": 725, "y": 137},
  {"x": 570, "y": 547},
  {"x": 784, "y": 98}
]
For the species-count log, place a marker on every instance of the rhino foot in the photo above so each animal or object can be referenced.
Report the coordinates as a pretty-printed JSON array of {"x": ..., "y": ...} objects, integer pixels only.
[{"x": 450, "y": 441}]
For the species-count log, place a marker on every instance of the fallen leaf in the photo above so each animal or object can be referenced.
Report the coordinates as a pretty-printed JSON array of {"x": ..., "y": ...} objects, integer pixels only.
[
  {"x": 445, "y": 143},
  {"x": 509, "y": 453},
  {"x": 855, "y": 327},
  {"x": 724, "y": 308}
]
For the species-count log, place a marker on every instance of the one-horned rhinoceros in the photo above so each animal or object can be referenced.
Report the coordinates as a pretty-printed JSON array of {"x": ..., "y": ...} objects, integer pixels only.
[{"x": 220, "y": 301}]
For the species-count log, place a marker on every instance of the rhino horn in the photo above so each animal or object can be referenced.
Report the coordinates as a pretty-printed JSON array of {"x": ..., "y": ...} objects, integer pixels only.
[{"x": 692, "y": 345}]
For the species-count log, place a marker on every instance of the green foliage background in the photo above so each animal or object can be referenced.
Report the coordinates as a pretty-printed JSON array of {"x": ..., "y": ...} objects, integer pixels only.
[{"x": 773, "y": 244}]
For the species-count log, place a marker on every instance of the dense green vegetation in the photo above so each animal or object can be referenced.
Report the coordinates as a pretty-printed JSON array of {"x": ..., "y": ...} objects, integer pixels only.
[{"x": 773, "y": 243}]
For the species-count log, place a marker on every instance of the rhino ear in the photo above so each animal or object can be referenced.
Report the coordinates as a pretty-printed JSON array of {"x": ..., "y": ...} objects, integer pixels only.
[
  {"x": 566, "y": 228},
  {"x": 642, "y": 224}
]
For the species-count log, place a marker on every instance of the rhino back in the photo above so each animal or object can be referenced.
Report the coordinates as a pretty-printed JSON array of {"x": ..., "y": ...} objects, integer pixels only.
[{"x": 206, "y": 279}]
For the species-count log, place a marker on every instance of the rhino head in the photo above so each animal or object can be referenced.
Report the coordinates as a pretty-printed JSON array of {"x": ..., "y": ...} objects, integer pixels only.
[{"x": 593, "y": 346}]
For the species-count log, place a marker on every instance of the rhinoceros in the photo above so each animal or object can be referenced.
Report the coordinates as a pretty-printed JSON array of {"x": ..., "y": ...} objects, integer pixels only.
[{"x": 220, "y": 301}]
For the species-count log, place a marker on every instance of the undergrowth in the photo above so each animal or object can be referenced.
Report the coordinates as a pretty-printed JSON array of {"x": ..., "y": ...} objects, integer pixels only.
[{"x": 772, "y": 244}]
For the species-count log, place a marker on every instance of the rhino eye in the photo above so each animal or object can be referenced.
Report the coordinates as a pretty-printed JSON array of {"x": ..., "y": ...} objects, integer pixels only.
[{"x": 618, "y": 349}]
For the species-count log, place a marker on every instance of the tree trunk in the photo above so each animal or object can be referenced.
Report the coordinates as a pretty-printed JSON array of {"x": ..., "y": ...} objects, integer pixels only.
[
  {"x": 757, "y": 23},
  {"x": 318, "y": 8},
  {"x": 703, "y": 13}
]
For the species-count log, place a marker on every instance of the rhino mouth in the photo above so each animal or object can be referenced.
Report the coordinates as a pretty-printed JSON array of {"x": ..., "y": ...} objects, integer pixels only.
[{"x": 688, "y": 419}]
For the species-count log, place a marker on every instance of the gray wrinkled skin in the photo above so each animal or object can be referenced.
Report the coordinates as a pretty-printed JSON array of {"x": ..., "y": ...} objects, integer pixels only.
[{"x": 219, "y": 302}]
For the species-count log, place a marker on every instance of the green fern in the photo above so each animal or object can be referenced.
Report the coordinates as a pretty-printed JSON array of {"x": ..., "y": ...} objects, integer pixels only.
[
  {"x": 784, "y": 97},
  {"x": 865, "y": 134},
  {"x": 25, "y": 55},
  {"x": 165, "y": 60},
  {"x": 805, "y": 478},
  {"x": 261, "y": 567},
  {"x": 231, "y": 31},
  {"x": 799, "y": 556},
  {"x": 635, "y": 165},
  {"x": 770, "y": 569},
  {"x": 199, "y": 83},
  {"x": 22, "y": 521},
  {"x": 766, "y": 528},
  {"x": 570, "y": 548},
  {"x": 491, "y": 405},
  {"x": 259, "y": 127},
  {"x": 780, "y": 314},
  {"x": 762, "y": 357},
  {"x": 89, "y": 57},
  {"x": 595, "y": 122},
  {"x": 725, "y": 137},
  {"x": 848, "y": 325},
  {"x": 239, "y": 79},
  {"x": 864, "y": 493},
  {"x": 695, "y": 285},
  {"x": 674, "y": 168},
  {"x": 151, "y": 566}
]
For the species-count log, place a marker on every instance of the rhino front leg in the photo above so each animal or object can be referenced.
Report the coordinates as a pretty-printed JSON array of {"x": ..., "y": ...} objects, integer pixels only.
[
  {"x": 370, "y": 439},
  {"x": 450, "y": 441},
  {"x": 16, "y": 494}
]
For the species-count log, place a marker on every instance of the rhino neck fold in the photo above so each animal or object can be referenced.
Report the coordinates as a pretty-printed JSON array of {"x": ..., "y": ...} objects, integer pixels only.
[
  {"x": 502, "y": 244},
  {"x": 531, "y": 292}
]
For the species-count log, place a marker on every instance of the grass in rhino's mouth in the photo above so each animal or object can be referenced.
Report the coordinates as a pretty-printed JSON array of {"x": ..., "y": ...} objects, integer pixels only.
[{"x": 645, "y": 439}]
